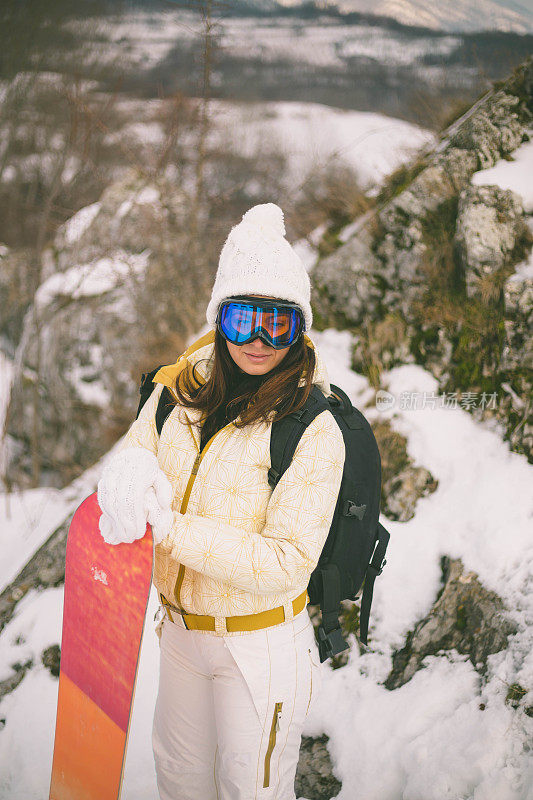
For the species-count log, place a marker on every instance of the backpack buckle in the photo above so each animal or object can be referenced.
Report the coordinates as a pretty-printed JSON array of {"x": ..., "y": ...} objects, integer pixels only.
[
  {"x": 381, "y": 566},
  {"x": 375, "y": 569},
  {"x": 351, "y": 509},
  {"x": 329, "y": 644}
]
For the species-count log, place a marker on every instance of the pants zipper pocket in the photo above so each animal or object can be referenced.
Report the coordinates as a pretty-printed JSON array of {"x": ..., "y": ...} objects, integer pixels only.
[
  {"x": 274, "y": 728},
  {"x": 311, "y": 683}
]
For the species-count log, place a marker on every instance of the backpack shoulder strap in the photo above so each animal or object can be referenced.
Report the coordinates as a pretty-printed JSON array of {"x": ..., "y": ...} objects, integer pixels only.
[
  {"x": 146, "y": 388},
  {"x": 287, "y": 432},
  {"x": 167, "y": 375},
  {"x": 166, "y": 401},
  {"x": 164, "y": 407},
  {"x": 374, "y": 569}
]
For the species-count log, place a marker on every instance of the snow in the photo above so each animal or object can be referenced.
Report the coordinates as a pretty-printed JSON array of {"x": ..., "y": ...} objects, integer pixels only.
[
  {"x": 447, "y": 15},
  {"x": 443, "y": 735},
  {"x": 326, "y": 42},
  {"x": 28, "y": 737},
  {"x": 36, "y": 626},
  {"x": 147, "y": 196},
  {"x": 478, "y": 517},
  {"x": 516, "y": 175},
  {"x": 32, "y": 720},
  {"x": 381, "y": 45},
  {"x": 6, "y": 376},
  {"x": 71, "y": 169},
  {"x": 307, "y": 253},
  {"x": 6, "y": 379},
  {"x": 78, "y": 224},
  {"x": 143, "y": 38},
  {"x": 524, "y": 271},
  {"x": 91, "y": 392},
  {"x": 28, "y": 518},
  {"x": 26, "y": 753},
  {"x": 94, "y": 278},
  {"x": 31, "y": 516},
  {"x": 313, "y": 138},
  {"x": 150, "y": 133}
]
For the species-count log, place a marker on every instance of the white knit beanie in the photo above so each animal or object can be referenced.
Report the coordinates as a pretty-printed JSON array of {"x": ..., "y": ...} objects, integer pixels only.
[{"x": 257, "y": 259}]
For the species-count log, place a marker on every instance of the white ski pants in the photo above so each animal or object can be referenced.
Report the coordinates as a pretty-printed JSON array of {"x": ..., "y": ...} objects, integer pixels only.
[{"x": 230, "y": 710}]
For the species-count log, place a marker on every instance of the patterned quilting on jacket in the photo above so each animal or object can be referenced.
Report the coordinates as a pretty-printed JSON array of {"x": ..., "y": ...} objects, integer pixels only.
[{"x": 235, "y": 546}]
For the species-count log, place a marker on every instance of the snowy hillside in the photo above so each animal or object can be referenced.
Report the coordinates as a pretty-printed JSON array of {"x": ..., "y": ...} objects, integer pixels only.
[
  {"x": 447, "y": 15},
  {"x": 325, "y": 41},
  {"x": 447, "y": 734},
  {"x": 367, "y": 63},
  {"x": 309, "y": 137},
  {"x": 312, "y": 138},
  {"x": 454, "y": 727}
]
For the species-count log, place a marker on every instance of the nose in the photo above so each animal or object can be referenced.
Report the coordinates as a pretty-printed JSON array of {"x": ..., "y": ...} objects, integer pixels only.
[{"x": 259, "y": 346}]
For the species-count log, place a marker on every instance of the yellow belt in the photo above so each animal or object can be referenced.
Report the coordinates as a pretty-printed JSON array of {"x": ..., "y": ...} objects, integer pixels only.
[{"x": 244, "y": 622}]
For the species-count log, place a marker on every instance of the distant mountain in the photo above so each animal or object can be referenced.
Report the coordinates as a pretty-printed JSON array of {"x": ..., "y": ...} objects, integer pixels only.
[{"x": 465, "y": 16}]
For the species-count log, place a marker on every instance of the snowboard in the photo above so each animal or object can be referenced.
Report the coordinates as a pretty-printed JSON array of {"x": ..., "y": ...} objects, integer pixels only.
[{"x": 106, "y": 594}]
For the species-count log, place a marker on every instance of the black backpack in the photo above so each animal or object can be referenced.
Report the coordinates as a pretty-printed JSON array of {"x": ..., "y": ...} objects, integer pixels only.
[{"x": 354, "y": 552}]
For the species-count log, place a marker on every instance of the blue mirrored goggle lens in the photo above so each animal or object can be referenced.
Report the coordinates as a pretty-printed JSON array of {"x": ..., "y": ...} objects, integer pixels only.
[
  {"x": 239, "y": 322},
  {"x": 236, "y": 322}
]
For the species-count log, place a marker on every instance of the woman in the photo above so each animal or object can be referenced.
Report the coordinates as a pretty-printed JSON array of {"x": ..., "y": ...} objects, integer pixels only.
[{"x": 239, "y": 664}]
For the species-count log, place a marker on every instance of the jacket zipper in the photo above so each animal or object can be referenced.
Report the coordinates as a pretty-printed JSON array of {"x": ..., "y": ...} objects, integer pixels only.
[
  {"x": 274, "y": 728},
  {"x": 185, "y": 502}
]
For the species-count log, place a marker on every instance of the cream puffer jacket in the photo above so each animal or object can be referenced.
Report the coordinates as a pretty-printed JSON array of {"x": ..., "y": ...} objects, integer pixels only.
[{"x": 235, "y": 546}]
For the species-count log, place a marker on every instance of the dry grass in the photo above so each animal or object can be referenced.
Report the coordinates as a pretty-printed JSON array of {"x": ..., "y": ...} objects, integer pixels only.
[
  {"x": 329, "y": 195},
  {"x": 376, "y": 344}
]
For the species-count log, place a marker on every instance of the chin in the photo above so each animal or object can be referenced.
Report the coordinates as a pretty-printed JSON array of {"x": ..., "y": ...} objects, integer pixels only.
[{"x": 260, "y": 369}]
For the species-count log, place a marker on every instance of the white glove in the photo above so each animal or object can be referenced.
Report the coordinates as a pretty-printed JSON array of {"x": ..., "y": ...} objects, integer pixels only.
[
  {"x": 125, "y": 500},
  {"x": 160, "y": 517}
]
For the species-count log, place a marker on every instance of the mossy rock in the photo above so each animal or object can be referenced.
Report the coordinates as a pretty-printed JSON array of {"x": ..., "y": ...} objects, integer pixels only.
[
  {"x": 465, "y": 617},
  {"x": 399, "y": 180}
]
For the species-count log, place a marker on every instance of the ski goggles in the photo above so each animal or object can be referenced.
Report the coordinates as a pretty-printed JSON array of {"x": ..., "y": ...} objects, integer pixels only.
[{"x": 277, "y": 323}]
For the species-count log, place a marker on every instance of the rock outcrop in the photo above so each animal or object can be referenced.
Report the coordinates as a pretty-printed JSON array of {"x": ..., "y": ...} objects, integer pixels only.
[
  {"x": 314, "y": 776},
  {"x": 465, "y": 617},
  {"x": 436, "y": 253},
  {"x": 94, "y": 327},
  {"x": 490, "y": 226}
]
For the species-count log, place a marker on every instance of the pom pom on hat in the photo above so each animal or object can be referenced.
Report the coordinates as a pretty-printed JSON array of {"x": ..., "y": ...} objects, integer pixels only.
[
  {"x": 268, "y": 217},
  {"x": 257, "y": 259}
]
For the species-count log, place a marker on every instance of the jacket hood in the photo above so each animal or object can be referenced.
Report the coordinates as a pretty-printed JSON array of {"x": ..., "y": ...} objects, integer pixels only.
[{"x": 203, "y": 348}]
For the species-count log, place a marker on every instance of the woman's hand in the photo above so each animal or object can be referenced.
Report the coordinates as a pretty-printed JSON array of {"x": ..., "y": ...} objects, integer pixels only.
[
  {"x": 132, "y": 491},
  {"x": 159, "y": 516}
]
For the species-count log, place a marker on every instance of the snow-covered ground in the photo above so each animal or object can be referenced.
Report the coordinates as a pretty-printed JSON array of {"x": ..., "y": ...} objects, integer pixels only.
[
  {"x": 313, "y": 137},
  {"x": 143, "y": 38},
  {"x": 516, "y": 174},
  {"x": 429, "y": 739},
  {"x": 442, "y": 736}
]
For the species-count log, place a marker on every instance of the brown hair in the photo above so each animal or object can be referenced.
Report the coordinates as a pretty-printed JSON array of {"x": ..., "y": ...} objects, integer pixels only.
[{"x": 278, "y": 391}]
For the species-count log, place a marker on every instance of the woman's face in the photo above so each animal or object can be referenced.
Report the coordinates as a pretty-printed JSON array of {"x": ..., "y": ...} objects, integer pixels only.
[{"x": 256, "y": 358}]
